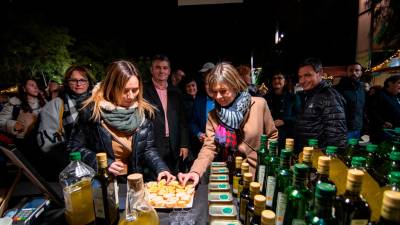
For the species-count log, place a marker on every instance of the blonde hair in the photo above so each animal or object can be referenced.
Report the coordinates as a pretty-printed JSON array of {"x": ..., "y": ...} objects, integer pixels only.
[
  {"x": 112, "y": 87},
  {"x": 226, "y": 73}
]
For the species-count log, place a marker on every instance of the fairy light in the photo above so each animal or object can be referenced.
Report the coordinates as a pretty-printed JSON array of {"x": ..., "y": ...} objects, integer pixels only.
[{"x": 387, "y": 61}]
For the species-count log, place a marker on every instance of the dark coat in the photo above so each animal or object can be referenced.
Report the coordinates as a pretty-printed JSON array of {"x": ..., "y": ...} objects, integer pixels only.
[
  {"x": 90, "y": 137},
  {"x": 354, "y": 93},
  {"x": 177, "y": 123},
  {"x": 322, "y": 117}
]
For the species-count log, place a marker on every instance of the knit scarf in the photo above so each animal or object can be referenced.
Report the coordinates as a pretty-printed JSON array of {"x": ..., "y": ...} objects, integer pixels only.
[
  {"x": 231, "y": 118},
  {"x": 125, "y": 120}
]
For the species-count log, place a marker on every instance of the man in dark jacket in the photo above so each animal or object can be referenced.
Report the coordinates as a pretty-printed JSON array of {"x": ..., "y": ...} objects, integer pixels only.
[
  {"x": 322, "y": 115},
  {"x": 352, "y": 90},
  {"x": 170, "y": 125}
]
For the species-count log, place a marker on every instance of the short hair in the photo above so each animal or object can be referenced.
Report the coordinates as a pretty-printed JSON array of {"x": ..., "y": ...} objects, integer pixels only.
[
  {"x": 82, "y": 70},
  {"x": 354, "y": 63},
  {"x": 160, "y": 57},
  {"x": 314, "y": 62},
  {"x": 225, "y": 72},
  {"x": 391, "y": 79}
]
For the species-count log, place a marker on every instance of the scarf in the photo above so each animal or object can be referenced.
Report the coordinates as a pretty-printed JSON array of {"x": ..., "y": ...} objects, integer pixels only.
[
  {"x": 125, "y": 120},
  {"x": 72, "y": 103},
  {"x": 231, "y": 118}
]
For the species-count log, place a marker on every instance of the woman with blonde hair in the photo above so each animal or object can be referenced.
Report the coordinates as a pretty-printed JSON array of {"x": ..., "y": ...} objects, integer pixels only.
[
  {"x": 117, "y": 120},
  {"x": 235, "y": 124}
]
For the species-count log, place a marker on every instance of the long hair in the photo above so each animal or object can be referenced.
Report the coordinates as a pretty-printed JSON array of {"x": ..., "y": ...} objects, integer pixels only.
[
  {"x": 225, "y": 72},
  {"x": 23, "y": 96},
  {"x": 112, "y": 87}
]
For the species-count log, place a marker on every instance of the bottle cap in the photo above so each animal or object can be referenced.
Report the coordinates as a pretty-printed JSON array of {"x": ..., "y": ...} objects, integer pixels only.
[
  {"x": 267, "y": 217},
  {"x": 245, "y": 166},
  {"x": 247, "y": 177},
  {"x": 355, "y": 175},
  {"x": 74, "y": 156},
  {"x": 285, "y": 154},
  {"x": 371, "y": 148},
  {"x": 259, "y": 200},
  {"x": 353, "y": 141},
  {"x": 238, "y": 159},
  {"x": 263, "y": 138},
  {"x": 391, "y": 199},
  {"x": 397, "y": 130},
  {"x": 325, "y": 190},
  {"x": 331, "y": 150},
  {"x": 394, "y": 177},
  {"x": 301, "y": 168},
  {"x": 312, "y": 142},
  {"x": 358, "y": 161},
  {"x": 135, "y": 181},
  {"x": 289, "y": 141},
  {"x": 395, "y": 156},
  {"x": 101, "y": 160},
  {"x": 323, "y": 164},
  {"x": 254, "y": 187},
  {"x": 307, "y": 150},
  {"x": 272, "y": 143}
]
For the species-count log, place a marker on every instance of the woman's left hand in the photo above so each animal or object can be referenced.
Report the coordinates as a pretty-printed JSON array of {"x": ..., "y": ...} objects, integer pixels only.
[{"x": 167, "y": 175}]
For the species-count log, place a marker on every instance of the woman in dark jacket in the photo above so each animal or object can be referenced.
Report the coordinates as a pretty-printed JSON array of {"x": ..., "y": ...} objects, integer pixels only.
[{"x": 116, "y": 120}]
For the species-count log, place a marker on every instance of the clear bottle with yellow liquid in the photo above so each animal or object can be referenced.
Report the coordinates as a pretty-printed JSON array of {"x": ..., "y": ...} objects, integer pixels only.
[
  {"x": 138, "y": 211},
  {"x": 76, "y": 182}
]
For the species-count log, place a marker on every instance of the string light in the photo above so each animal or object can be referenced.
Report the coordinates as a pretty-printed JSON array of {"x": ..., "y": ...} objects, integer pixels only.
[{"x": 387, "y": 61}]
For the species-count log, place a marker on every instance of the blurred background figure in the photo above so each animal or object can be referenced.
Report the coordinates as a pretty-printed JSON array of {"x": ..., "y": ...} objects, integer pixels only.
[
  {"x": 176, "y": 77},
  {"x": 207, "y": 67},
  {"x": 284, "y": 107},
  {"x": 190, "y": 91},
  {"x": 54, "y": 87},
  {"x": 245, "y": 73}
]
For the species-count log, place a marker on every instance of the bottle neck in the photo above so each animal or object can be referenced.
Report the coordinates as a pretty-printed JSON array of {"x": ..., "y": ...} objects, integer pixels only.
[
  {"x": 323, "y": 208},
  {"x": 300, "y": 182},
  {"x": 258, "y": 209},
  {"x": 246, "y": 185},
  {"x": 253, "y": 193},
  {"x": 353, "y": 188},
  {"x": 285, "y": 163},
  {"x": 272, "y": 152}
]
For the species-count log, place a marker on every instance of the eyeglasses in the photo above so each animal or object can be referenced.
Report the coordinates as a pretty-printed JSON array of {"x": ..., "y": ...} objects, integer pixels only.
[{"x": 74, "y": 81}]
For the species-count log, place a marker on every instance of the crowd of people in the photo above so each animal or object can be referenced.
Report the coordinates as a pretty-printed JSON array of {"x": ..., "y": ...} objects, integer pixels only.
[{"x": 177, "y": 124}]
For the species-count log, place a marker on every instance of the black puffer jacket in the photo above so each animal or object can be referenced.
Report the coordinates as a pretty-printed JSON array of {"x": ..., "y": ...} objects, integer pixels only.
[
  {"x": 322, "y": 117},
  {"x": 91, "y": 137}
]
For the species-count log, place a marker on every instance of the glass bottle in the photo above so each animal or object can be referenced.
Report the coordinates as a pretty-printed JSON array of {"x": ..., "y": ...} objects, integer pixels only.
[
  {"x": 289, "y": 144},
  {"x": 350, "y": 151},
  {"x": 245, "y": 169},
  {"x": 76, "y": 180},
  {"x": 261, "y": 161},
  {"x": 373, "y": 162},
  {"x": 259, "y": 206},
  {"x": 317, "y": 150},
  {"x": 138, "y": 211},
  {"x": 244, "y": 196},
  {"x": 322, "y": 210},
  {"x": 390, "y": 211},
  {"x": 105, "y": 194},
  {"x": 267, "y": 217},
  {"x": 337, "y": 169},
  {"x": 236, "y": 176},
  {"x": 351, "y": 207},
  {"x": 254, "y": 190},
  {"x": 270, "y": 181},
  {"x": 393, "y": 164},
  {"x": 307, "y": 159},
  {"x": 322, "y": 172},
  {"x": 394, "y": 181},
  {"x": 298, "y": 196},
  {"x": 284, "y": 178}
]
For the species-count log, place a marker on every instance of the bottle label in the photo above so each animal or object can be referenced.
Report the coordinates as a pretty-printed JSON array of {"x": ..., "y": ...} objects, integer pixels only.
[
  {"x": 98, "y": 202},
  {"x": 261, "y": 176},
  {"x": 359, "y": 222},
  {"x": 280, "y": 208},
  {"x": 271, "y": 181},
  {"x": 298, "y": 222},
  {"x": 116, "y": 189},
  {"x": 235, "y": 183},
  {"x": 243, "y": 205},
  {"x": 240, "y": 189},
  {"x": 222, "y": 211}
]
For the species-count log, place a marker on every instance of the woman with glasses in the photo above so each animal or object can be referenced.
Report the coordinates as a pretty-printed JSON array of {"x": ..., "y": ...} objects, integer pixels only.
[
  {"x": 117, "y": 120},
  {"x": 60, "y": 114},
  {"x": 235, "y": 124}
]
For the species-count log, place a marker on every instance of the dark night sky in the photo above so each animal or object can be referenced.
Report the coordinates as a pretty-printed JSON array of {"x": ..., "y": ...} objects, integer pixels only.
[{"x": 192, "y": 35}]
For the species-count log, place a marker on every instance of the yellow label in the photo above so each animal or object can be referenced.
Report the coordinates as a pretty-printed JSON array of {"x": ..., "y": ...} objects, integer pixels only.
[{"x": 235, "y": 184}]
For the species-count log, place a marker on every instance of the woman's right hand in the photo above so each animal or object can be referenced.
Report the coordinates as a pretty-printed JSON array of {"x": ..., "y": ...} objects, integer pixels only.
[
  {"x": 185, "y": 177},
  {"x": 116, "y": 168},
  {"x": 19, "y": 127}
]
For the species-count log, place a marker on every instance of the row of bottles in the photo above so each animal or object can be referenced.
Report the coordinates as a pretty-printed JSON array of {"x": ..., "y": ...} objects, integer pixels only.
[{"x": 92, "y": 198}]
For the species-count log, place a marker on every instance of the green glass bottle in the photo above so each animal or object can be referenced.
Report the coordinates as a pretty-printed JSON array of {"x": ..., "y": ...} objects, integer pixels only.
[
  {"x": 289, "y": 144},
  {"x": 350, "y": 151},
  {"x": 261, "y": 161},
  {"x": 394, "y": 181},
  {"x": 322, "y": 175},
  {"x": 358, "y": 162},
  {"x": 322, "y": 211},
  {"x": 390, "y": 211},
  {"x": 244, "y": 196},
  {"x": 298, "y": 196},
  {"x": 373, "y": 160},
  {"x": 254, "y": 190},
  {"x": 105, "y": 194},
  {"x": 393, "y": 164},
  {"x": 267, "y": 217},
  {"x": 245, "y": 168},
  {"x": 337, "y": 169},
  {"x": 236, "y": 176},
  {"x": 259, "y": 206},
  {"x": 307, "y": 159},
  {"x": 351, "y": 207},
  {"x": 284, "y": 177},
  {"x": 270, "y": 181}
]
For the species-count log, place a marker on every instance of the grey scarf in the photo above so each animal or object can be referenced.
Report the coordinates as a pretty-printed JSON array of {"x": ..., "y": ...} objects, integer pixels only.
[
  {"x": 125, "y": 120},
  {"x": 232, "y": 116}
]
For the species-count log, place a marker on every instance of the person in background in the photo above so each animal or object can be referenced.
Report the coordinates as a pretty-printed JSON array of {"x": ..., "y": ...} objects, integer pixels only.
[
  {"x": 176, "y": 77},
  {"x": 189, "y": 87},
  {"x": 117, "y": 120},
  {"x": 384, "y": 111},
  {"x": 236, "y": 122},
  {"x": 245, "y": 74},
  {"x": 205, "y": 69},
  {"x": 54, "y": 88},
  {"x": 322, "y": 114},
  {"x": 284, "y": 107},
  {"x": 170, "y": 125},
  {"x": 352, "y": 89},
  {"x": 59, "y": 116}
]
